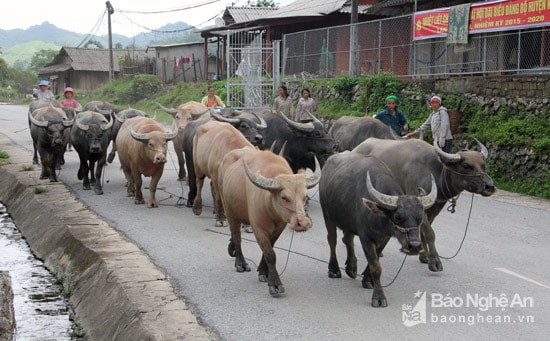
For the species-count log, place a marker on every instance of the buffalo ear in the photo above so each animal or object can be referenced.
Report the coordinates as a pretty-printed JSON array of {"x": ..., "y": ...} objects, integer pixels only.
[{"x": 371, "y": 205}]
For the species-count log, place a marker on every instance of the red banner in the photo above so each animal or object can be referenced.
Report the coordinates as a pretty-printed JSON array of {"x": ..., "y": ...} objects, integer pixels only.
[{"x": 503, "y": 15}]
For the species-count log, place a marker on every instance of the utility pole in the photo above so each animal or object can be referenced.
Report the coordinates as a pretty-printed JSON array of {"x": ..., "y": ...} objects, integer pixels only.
[
  {"x": 353, "y": 39},
  {"x": 110, "y": 11}
]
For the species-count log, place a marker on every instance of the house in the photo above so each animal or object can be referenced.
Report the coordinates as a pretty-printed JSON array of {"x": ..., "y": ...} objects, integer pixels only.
[
  {"x": 183, "y": 62},
  {"x": 89, "y": 69}
]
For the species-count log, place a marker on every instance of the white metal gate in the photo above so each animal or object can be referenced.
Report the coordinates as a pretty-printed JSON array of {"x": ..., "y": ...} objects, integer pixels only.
[{"x": 252, "y": 69}]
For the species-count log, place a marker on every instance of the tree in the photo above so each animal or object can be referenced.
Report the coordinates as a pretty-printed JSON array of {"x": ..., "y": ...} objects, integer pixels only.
[
  {"x": 3, "y": 71},
  {"x": 262, "y": 3},
  {"x": 94, "y": 42},
  {"x": 41, "y": 58}
]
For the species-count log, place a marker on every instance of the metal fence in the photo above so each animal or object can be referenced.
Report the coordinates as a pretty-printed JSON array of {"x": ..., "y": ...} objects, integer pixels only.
[
  {"x": 386, "y": 45},
  {"x": 252, "y": 69}
]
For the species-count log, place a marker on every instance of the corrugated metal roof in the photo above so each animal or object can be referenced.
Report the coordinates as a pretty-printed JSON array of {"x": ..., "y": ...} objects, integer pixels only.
[
  {"x": 91, "y": 59},
  {"x": 236, "y": 15},
  {"x": 308, "y": 8}
]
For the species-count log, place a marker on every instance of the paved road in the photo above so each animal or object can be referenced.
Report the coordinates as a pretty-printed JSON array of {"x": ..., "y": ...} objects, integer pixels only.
[{"x": 498, "y": 287}]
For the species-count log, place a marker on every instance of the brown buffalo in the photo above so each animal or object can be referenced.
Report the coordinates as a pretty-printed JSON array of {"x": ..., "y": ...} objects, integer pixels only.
[
  {"x": 258, "y": 188},
  {"x": 212, "y": 141},
  {"x": 142, "y": 147},
  {"x": 181, "y": 115}
]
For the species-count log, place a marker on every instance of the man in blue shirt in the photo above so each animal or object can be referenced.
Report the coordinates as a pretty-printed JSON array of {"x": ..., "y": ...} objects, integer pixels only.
[{"x": 392, "y": 116}]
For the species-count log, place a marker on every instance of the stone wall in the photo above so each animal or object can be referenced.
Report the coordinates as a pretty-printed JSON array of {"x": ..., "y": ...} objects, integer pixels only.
[{"x": 494, "y": 91}]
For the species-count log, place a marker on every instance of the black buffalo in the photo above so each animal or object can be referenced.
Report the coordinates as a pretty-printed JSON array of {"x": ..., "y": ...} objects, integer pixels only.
[
  {"x": 90, "y": 138},
  {"x": 359, "y": 195},
  {"x": 50, "y": 132},
  {"x": 412, "y": 160},
  {"x": 303, "y": 140},
  {"x": 41, "y": 103},
  {"x": 249, "y": 126},
  {"x": 350, "y": 131}
]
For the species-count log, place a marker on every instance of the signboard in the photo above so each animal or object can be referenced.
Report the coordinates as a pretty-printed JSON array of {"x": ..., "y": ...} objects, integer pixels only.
[{"x": 502, "y": 15}]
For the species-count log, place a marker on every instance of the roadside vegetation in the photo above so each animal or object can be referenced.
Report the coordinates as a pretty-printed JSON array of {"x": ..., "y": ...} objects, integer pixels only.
[
  {"x": 4, "y": 157},
  {"x": 517, "y": 125}
]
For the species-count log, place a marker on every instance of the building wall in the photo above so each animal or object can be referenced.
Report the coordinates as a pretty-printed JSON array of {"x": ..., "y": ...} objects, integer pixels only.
[{"x": 168, "y": 71}]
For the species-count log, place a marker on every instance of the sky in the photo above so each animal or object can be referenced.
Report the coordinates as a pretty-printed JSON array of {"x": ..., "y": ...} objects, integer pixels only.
[{"x": 130, "y": 18}]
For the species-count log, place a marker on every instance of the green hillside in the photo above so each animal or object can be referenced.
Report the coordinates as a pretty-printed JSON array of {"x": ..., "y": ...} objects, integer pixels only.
[{"x": 22, "y": 53}]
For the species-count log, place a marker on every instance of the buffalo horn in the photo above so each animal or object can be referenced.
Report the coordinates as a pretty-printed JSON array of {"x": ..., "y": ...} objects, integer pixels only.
[
  {"x": 118, "y": 118},
  {"x": 428, "y": 200},
  {"x": 315, "y": 177},
  {"x": 198, "y": 115},
  {"x": 67, "y": 123},
  {"x": 216, "y": 114},
  {"x": 37, "y": 122},
  {"x": 313, "y": 116},
  {"x": 446, "y": 157},
  {"x": 140, "y": 136},
  {"x": 106, "y": 125},
  {"x": 170, "y": 135},
  {"x": 387, "y": 201},
  {"x": 282, "y": 151},
  {"x": 260, "y": 181},
  {"x": 172, "y": 112},
  {"x": 81, "y": 125},
  {"x": 105, "y": 112},
  {"x": 262, "y": 124},
  {"x": 304, "y": 127},
  {"x": 482, "y": 149}
]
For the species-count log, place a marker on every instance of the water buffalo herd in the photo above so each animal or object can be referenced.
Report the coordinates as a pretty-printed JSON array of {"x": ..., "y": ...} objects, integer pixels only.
[{"x": 372, "y": 184}]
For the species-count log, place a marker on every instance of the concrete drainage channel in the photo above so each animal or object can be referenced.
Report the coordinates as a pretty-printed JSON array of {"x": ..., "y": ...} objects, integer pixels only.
[
  {"x": 33, "y": 306},
  {"x": 117, "y": 293}
]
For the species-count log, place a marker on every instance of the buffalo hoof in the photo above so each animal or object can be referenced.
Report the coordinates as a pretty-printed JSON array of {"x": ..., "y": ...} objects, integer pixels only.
[
  {"x": 131, "y": 194},
  {"x": 379, "y": 303},
  {"x": 98, "y": 190},
  {"x": 139, "y": 202},
  {"x": 334, "y": 274},
  {"x": 189, "y": 202},
  {"x": 231, "y": 249},
  {"x": 182, "y": 178},
  {"x": 42, "y": 177},
  {"x": 53, "y": 180},
  {"x": 262, "y": 278},
  {"x": 86, "y": 187},
  {"x": 435, "y": 265},
  {"x": 242, "y": 267},
  {"x": 197, "y": 210},
  {"x": 79, "y": 174},
  {"x": 35, "y": 162},
  {"x": 110, "y": 158},
  {"x": 276, "y": 290},
  {"x": 219, "y": 223},
  {"x": 351, "y": 273}
]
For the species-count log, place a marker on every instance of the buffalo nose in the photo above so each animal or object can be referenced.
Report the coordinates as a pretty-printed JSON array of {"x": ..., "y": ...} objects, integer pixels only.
[
  {"x": 161, "y": 159},
  {"x": 415, "y": 246}
]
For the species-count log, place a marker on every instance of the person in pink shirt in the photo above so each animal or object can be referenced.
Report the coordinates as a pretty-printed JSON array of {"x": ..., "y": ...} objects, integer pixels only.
[{"x": 68, "y": 99}]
